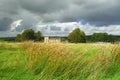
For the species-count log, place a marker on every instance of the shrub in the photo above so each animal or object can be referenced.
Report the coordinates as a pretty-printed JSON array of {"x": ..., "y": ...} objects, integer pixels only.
[
  {"x": 77, "y": 36},
  {"x": 29, "y": 34}
]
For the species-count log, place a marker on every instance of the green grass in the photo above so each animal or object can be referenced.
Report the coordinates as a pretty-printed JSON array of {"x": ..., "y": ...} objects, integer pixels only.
[
  {"x": 39, "y": 61},
  {"x": 2, "y": 40}
]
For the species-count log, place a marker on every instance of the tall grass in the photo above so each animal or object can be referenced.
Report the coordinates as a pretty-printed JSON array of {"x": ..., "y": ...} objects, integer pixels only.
[
  {"x": 39, "y": 61},
  {"x": 114, "y": 62},
  {"x": 7, "y": 46},
  {"x": 55, "y": 62}
]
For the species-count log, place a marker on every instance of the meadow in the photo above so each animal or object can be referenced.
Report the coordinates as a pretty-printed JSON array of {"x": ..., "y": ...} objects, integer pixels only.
[{"x": 40, "y": 61}]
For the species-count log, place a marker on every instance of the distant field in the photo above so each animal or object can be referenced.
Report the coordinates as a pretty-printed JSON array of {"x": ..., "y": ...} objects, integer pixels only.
[
  {"x": 38, "y": 61},
  {"x": 7, "y": 39}
]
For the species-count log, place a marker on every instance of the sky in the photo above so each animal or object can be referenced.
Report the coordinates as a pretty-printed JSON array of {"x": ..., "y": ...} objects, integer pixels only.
[{"x": 59, "y": 17}]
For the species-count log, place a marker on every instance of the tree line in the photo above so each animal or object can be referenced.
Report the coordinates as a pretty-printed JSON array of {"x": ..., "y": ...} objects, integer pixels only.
[
  {"x": 103, "y": 37},
  {"x": 76, "y": 36},
  {"x": 29, "y": 34}
]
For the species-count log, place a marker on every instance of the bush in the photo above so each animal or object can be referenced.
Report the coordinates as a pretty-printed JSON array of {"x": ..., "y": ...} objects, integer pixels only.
[
  {"x": 38, "y": 36},
  {"x": 77, "y": 36},
  {"x": 29, "y": 34},
  {"x": 18, "y": 38},
  {"x": 103, "y": 37}
]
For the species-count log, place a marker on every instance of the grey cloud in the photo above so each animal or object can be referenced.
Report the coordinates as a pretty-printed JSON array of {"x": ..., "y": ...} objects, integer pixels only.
[
  {"x": 103, "y": 12},
  {"x": 55, "y": 28},
  {"x": 9, "y": 8},
  {"x": 43, "y": 6},
  {"x": 5, "y": 23},
  {"x": 94, "y": 12}
]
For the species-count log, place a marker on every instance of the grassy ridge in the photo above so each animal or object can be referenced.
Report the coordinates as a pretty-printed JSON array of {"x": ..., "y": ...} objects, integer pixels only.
[{"x": 39, "y": 61}]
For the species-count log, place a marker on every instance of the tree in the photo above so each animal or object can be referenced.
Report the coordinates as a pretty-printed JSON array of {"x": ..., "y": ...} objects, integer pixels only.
[
  {"x": 18, "y": 38},
  {"x": 77, "y": 36},
  {"x": 103, "y": 37},
  {"x": 112, "y": 38},
  {"x": 38, "y": 36},
  {"x": 28, "y": 34},
  {"x": 99, "y": 37}
]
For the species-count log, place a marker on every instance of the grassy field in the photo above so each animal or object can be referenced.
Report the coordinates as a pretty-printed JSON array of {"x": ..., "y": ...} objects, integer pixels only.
[{"x": 38, "y": 61}]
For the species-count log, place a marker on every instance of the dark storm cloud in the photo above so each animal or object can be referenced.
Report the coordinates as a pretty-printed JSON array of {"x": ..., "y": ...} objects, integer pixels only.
[
  {"x": 5, "y": 23},
  {"x": 102, "y": 12},
  {"x": 43, "y": 6},
  {"x": 8, "y": 8},
  {"x": 28, "y": 21},
  {"x": 94, "y": 12}
]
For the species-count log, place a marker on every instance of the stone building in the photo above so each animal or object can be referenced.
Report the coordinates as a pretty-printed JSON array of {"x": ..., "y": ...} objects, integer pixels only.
[{"x": 51, "y": 39}]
